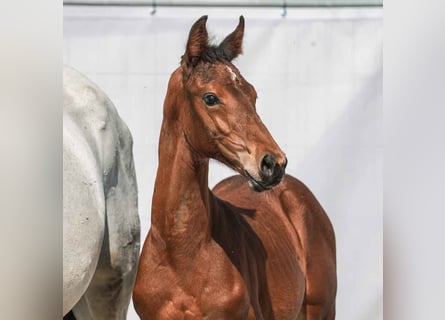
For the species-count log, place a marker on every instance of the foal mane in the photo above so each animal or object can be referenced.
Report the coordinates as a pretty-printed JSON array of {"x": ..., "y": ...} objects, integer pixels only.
[{"x": 214, "y": 53}]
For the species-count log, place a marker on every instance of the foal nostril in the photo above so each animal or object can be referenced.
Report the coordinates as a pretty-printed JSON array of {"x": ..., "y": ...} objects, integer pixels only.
[{"x": 268, "y": 165}]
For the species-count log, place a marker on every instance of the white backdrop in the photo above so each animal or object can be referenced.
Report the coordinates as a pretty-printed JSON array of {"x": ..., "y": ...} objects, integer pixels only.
[{"x": 318, "y": 74}]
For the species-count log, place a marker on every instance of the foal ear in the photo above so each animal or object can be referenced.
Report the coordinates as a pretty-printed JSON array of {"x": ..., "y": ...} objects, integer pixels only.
[
  {"x": 231, "y": 46},
  {"x": 197, "y": 43}
]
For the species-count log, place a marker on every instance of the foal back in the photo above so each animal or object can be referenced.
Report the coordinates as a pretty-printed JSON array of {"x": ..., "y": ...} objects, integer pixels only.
[{"x": 292, "y": 247}]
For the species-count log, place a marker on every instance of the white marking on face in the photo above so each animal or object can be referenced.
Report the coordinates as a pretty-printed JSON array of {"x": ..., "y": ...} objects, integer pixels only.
[{"x": 232, "y": 74}]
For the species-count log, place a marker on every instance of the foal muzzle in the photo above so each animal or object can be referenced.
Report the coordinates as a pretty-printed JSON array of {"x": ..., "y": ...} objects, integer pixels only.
[{"x": 271, "y": 173}]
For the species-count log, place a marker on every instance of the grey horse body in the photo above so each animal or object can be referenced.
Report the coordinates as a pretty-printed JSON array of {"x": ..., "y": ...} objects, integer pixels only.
[{"x": 100, "y": 220}]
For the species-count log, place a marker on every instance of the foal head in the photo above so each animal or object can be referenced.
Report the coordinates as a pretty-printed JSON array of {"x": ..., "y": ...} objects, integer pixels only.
[{"x": 217, "y": 109}]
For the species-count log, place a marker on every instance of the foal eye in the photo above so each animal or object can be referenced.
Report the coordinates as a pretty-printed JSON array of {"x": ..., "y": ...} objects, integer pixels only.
[{"x": 210, "y": 99}]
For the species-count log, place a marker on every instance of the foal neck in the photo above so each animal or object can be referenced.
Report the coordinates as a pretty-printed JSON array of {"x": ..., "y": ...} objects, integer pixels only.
[{"x": 180, "y": 210}]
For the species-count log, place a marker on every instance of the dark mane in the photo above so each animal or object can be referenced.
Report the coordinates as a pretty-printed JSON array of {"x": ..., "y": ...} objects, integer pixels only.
[
  {"x": 213, "y": 54},
  {"x": 217, "y": 53}
]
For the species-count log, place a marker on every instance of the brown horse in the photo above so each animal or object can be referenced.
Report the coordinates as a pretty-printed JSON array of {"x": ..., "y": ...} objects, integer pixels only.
[{"x": 259, "y": 246}]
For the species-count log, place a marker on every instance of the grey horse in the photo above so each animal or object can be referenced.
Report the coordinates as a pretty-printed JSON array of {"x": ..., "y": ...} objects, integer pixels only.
[{"x": 101, "y": 230}]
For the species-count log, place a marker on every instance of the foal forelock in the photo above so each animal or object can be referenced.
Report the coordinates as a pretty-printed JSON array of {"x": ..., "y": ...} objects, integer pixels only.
[{"x": 222, "y": 71}]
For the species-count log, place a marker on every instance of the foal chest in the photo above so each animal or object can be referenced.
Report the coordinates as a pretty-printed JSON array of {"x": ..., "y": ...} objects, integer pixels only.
[{"x": 205, "y": 287}]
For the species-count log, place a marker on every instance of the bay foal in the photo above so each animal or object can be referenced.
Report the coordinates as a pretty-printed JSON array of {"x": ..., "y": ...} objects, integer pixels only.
[{"x": 259, "y": 246}]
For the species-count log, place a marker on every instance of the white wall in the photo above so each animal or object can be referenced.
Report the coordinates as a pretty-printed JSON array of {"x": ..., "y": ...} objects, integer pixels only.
[{"x": 318, "y": 74}]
